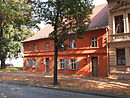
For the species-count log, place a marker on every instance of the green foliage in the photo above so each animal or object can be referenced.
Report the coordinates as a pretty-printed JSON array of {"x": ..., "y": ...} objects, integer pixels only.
[
  {"x": 9, "y": 69},
  {"x": 16, "y": 17},
  {"x": 66, "y": 15}
]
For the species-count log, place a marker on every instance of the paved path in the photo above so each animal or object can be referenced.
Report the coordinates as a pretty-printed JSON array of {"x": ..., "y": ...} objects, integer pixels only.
[
  {"x": 19, "y": 91},
  {"x": 112, "y": 82}
]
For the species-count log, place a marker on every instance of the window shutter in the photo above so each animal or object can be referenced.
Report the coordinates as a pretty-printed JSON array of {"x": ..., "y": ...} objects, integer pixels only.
[
  {"x": 36, "y": 62},
  {"x": 69, "y": 64},
  {"x": 76, "y": 63},
  {"x": 58, "y": 64}
]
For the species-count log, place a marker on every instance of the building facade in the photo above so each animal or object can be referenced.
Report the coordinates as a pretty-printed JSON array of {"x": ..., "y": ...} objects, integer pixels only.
[
  {"x": 119, "y": 38},
  {"x": 87, "y": 56}
]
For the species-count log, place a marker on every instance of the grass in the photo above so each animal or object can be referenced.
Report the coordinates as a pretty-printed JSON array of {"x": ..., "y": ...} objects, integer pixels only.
[{"x": 12, "y": 69}]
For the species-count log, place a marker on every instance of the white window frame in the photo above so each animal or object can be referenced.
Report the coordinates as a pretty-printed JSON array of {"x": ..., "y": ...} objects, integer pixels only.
[
  {"x": 35, "y": 48},
  {"x": 62, "y": 64},
  {"x": 72, "y": 44},
  {"x": 74, "y": 64},
  {"x": 35, "y": 63},
  {"x": 47, "y": 46},
  {"x": 29, "y": 62},
  {"x": 94, "y": 41}
]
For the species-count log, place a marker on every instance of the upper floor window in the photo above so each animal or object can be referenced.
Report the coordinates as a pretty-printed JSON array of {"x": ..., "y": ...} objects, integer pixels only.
[
  {"x": 47, "y": 46},
  {"x": 94, "y": 41},
  {"x": 29, "y": 49},
  {"x": 119, "y": 24},
  {"x": 35, "y": 47},
  {"x": 129, "y": 21},
  {"x": 120, "y": 54},
  {"x": 72, "y": 43}
]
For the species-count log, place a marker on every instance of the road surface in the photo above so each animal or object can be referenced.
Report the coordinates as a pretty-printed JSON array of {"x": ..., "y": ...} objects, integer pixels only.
[{"x": 20, "y": 91}]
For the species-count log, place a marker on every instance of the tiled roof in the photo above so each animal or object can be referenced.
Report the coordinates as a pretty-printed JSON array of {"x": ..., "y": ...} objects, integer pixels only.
[{"x": 99, "y": 19}]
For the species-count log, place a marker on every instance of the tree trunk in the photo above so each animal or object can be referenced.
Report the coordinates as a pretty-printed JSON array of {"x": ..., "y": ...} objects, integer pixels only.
[
  {"x": 55, "y": 81},
  {"x": 2, "y": 63},
  {"x": 55, "y": 61}
]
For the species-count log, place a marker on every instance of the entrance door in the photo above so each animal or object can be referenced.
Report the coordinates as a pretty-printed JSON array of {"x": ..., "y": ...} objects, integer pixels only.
[
  {"x": 47, "y": 65},
  {"x": 94, "y": 66}
]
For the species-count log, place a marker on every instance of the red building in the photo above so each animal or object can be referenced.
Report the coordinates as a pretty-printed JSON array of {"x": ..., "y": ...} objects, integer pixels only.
[{"x": 87, "y": 56}]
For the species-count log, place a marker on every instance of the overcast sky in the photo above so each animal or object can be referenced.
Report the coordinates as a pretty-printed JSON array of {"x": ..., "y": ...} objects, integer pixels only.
[{"x": 99, "y": 2}]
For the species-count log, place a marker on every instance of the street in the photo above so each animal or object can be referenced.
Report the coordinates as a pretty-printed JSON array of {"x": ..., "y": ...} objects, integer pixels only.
[{"x": 20, "y": 91}]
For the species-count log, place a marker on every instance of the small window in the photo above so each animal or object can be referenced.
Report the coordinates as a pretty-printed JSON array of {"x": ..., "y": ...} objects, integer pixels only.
[
  {"x": 62, "y": 64},
  {"x": 74, "y": 64},
  {"x": 29, "y": 63},
  {"x": 94, "y": 41},
  {"x": 119, "y": 24},
  {"x": 29, "y": 49},
  {"x": 35, "y": 63},
  {"x": 72, "y": 43},
  {"x": 47, "y": 46},
  {"x": 120, "y": 54},
  {"x": 35, "y": 48}
]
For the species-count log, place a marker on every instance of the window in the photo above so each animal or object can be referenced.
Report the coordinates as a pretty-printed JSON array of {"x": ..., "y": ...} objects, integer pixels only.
[
  {"x": 35, "y": 63},
  {"x": 119, "y": 24},
  {"x": 62, "y": 64},
  {"x": 94, "y": 41},
  {"x": 47, "y": 46},
  {"x": 32, "y": 63},
  {"x": 129, "y": 21},
  {"x": 72, "y": 43},
  {"x": 120, "y": 54},
  {"x": 35, "y": 48},
  {"x": 29, "y": 49},
  {"x": 29, "y": 63},
  {"x": 74, "y": 63}
]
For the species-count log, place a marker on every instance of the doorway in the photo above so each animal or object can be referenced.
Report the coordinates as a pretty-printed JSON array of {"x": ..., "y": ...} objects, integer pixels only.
[
  {"x": 47, "y": 65},
  {"x": 94, "y": 66}
]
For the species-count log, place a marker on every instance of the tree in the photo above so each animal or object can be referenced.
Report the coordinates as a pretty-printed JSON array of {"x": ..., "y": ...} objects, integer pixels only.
[
  {"x": 15, "y": 15},
  {"x": 65, "y": 16}
]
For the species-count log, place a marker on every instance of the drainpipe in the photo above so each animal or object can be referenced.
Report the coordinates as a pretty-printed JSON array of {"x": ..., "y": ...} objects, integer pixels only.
[{"x": 107, "y": 48}]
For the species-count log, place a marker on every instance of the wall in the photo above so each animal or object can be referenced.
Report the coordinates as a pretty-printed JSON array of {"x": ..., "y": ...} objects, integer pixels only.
[{"x": 82, "y": 52}]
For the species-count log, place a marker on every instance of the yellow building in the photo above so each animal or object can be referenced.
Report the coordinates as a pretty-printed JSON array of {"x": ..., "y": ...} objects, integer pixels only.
[{"x": 119, "y": 38}]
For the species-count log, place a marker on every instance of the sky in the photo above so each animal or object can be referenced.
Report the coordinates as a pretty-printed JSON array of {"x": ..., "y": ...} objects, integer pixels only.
[
  {"x": 99, "y": 2},
  {"x": 95, "y": 2}
]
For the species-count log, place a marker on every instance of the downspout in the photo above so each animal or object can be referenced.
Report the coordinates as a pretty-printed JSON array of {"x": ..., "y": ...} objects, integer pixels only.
[{"x": 107, "y": 48}]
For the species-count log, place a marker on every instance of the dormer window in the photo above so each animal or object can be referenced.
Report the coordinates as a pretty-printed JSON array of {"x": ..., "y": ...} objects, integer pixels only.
[{"x": 119, "y": 24}]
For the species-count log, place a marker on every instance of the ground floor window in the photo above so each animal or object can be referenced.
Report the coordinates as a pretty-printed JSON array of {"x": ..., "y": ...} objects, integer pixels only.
[
  {"x": 74, "y": 64},
  {"x": 68, "y": 64},
  {"x": 62, "y": 64},
  {"x": 32, "y": 63},
  {"x": 120, "y": 54}
]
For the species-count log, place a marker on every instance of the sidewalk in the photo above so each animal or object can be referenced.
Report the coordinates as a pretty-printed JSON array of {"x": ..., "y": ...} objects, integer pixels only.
[{"x": 84, "y": 84}]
